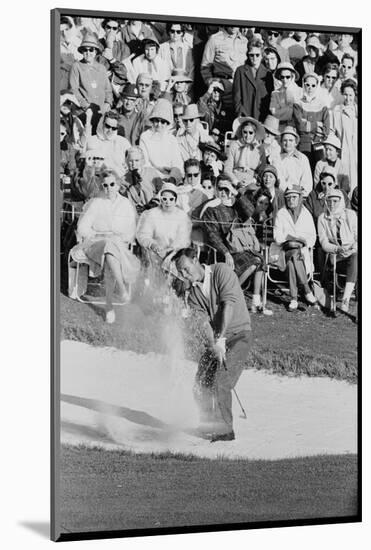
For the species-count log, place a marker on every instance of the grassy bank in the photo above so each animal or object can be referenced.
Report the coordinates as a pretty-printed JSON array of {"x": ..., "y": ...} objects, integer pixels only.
[
  {"x": 104, "y": 490},
  {"x": 305, "y": 342}
]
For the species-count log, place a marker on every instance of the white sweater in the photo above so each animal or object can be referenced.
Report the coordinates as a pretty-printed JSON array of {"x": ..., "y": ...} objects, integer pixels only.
[{"x": 165, "y": 229}]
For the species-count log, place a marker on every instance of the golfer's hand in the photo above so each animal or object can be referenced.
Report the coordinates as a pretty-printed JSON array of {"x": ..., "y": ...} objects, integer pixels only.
[
  {"x": 219, "y": 349},
  {"x": 229, "y": 260}
]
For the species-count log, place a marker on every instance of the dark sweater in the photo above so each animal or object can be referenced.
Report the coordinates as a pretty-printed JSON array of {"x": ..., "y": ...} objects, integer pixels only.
[{"x": 224, "y": 288}]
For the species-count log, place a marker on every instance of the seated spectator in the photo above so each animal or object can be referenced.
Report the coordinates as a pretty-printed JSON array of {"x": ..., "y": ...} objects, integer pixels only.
[
  {"x": 311, "y": 118},
  {"x": 194, "y": 134},
  {"x": 273, "y": 40},
  {"x": 133, "y": 33},
  {"x": 86, "y": 183},
  {"x": 294, "y": 230},
  {"x": 272, "y": 148},
  {"x": 70, "y": 115},
  {"x": 150, "y": 62},
  {"x": 283, "y": 99},
  {"x": 347, "y": 68},
  {"x": 114, "y": 52},
  {"x": 176, "y": 52},
  {"x": 246, "y": 155},
  {"x": 144, "y": 84},
  {"x": 191, "y": 194},
  {"x": 337, "y": 232},
  {"x": 294, "y": 164},
  {"x": 215, "y": 112},
  {"x": 271, "y": 60},
  {"x": 223, "y": 219},
  {"x": 332, "y": 159},
  {"x": 208, "y": 185},
  {"x": 131, "y": 123},
  {"x": 211, "y": 158},
  {"x": 310, "y": 62},
  {"x": 329, "y": 88},
  {"x": 178, "y": 87},
  {"x": 67, "y": 152},
  {"x": 160, "y": 147},
  {"x": 263, "y": 216},
  {"x": 140, "y": 183},
  {"x": 178, "y": 112},
  {"x": 345, "y": 126},
  {"x": 269, "y": 181},
  {"x": 165, "y": 229},
  {"x": 106, "y": 227},
  {"x": 252, "y": 85},
  {"x": 110, "y": 145},
  {"x": 89, "y": 80}
]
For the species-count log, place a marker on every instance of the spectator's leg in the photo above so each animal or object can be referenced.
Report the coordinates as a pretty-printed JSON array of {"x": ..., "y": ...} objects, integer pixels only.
[
  {"x": 291, "y": 273},
  {"x": 258, "y": 280},
  {"x": 351, "y": 272},
  {"x": 114, "y": 267},
  {"x": 301, "y": 274},
  {"x": 246, "y": 274}
]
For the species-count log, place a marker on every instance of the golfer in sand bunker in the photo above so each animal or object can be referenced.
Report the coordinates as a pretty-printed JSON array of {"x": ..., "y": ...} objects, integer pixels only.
[{"x": 217, "y": 295}]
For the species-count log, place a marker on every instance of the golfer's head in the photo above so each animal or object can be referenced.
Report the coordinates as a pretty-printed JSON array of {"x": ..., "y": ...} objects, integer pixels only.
[{"x": 188, "y": 265}]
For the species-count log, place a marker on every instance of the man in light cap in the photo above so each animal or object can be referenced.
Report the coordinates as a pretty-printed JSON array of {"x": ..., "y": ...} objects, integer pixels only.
[
  {"x": 332, "y": 159},
  {"x": 294, "y": 164}
]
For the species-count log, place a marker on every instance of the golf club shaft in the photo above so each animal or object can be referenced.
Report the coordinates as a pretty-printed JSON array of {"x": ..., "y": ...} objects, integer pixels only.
[{"x": 235, "y": 393}]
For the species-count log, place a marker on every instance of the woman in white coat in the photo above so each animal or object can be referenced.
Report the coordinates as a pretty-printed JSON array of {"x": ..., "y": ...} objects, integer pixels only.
[{"x": 294, "y": 230}]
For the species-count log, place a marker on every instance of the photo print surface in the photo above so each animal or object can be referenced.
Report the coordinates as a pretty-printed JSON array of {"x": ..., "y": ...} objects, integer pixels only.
[{"x": 205, "y": 201}]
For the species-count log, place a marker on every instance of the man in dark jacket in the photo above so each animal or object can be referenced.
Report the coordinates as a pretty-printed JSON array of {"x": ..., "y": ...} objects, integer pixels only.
[
  {"x": 252, "y": 85},
  {"x": 217, "y": 296}
]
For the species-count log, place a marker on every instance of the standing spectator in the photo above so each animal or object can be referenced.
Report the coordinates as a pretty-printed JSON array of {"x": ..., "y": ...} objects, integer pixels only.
[
  {"x": 212, "y": 106},
  {"x": 311, "y": 118},
  {"x": 273, "y": 41},
  {"x": 130, "y": 122},
  {"x": 283, "y": 99},
  {"x": 271, "y": 60},
  {"x": 177, "y": 90},
  {"x": 332, "y": 159},
  {"x": 194, "y": 134},
  {"x": 295, "y": 165},
  {"x": 329, "y": 86},
  {"x": 294, "y": 230},
  {"x": 160, "y": 147},
  {"x": 298, "y": 49},
  {"x": 310, "y": 62},
  {"x": 110, "y": 145},
  {"x": 252, "y": 85},
  {"x": 69, "y": 43},
  {"x": 176, "y": 52},
  {"x": 191, "y": 195},
  {"x": 345, "y": 124},
  {"x": 133, "y": 33},
  {"x": 89, "y": 79},
  {"x": 150, "y": 62}
]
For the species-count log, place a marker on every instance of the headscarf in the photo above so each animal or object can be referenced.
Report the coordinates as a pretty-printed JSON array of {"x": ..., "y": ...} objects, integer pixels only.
[{"x": 339, "y": 212}]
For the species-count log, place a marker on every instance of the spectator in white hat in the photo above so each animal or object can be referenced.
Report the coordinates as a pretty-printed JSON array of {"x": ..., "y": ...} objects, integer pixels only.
[
  {"x": 332, "y": 159},
  {"x": 310, "y": 62},
  {"x": 295, "y": 165},
  {"x": 283, "y": 99}
]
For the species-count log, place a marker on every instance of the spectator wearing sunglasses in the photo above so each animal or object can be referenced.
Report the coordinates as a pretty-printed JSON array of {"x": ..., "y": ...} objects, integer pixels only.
[
  {"x": 86, "y": 183},
  {"x": 160, "y": 147},
  {"x": 110, "y": 145},
  {"x": 140, "y": 183},
  {"x": 347, "y": 68},
  {"x": 193, "y": 135},
  {"x": 105, "y": 228},
  {"x": 69, "y": 43},
  {"x": 273, "y": 40},
  {"x": 311, "y": 118},
  {"x": 191, "y": 194},
  {"x": 252, "y": 85},
  {"x": 310, "y": 63},
  {"x": 216, "y": 112},
  {"x": 176, "y": 52},
  {"x": 329, "y": 87},
  {"x": 212, "y": 155},
  {"x": 177, "y": 90},
  {"x": 283, "y": 99},
  {"x": 89, "y": 80},
  {"x": 333, "y": 160}
]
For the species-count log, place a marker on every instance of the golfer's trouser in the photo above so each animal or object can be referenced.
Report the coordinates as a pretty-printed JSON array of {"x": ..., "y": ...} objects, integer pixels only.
[{"x": 214, "y": 383}]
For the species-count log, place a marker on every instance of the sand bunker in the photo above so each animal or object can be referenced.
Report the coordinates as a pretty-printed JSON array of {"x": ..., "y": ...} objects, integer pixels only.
[{"x": 122, "y": 400}]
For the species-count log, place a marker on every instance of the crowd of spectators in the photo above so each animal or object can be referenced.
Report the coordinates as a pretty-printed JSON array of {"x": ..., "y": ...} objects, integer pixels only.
[{"x": 228, "y": 136}]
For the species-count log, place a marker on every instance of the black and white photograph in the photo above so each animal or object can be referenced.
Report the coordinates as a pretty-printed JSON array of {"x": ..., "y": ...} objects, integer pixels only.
[{"x": 206, "y": 205}]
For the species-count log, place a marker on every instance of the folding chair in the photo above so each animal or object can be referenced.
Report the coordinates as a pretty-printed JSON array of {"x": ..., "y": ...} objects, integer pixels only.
[{"x": 227, "y": 141}]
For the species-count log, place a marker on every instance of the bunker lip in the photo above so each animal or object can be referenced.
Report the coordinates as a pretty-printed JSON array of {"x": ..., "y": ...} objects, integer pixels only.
[{"x": 143, "y": 403}]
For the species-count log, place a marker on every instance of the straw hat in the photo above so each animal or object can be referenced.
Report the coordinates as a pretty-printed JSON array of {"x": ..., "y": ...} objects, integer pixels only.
[
  {"x": 285, "y": 66},
  {"x": 191, "y": 111},
  {"x": 260, "y": 132},
  {"x": 162, "y": 109},
  {"x": 90, "y": 40},
  {"x": 178, "y": 75},
  {"x": 272, "y": 124}
]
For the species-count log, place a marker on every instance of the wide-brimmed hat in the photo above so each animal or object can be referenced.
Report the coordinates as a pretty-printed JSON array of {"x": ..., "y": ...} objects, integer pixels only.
[
  {"x": 272, "y": 124},
  {"x": 312, "y": 75},
  {"x": 333, "y": 140},
  {"x": 314, "y": 42},
  {"x": 260, "y": 132},
  {"x": 211, "y": 146},
  {"x": 285, "y": 66},
  {"x": 162, "y": 109},
  {"x": 268, "y": 49},
  {"x": 90, "y": 40},
  {"x": 328, "y": 171},
  {"x": 291, "y": 130},
  {"x": 191, "y": 111},
  {"x": 178, "y": 75},
  {"x": 130, "y": 90},
  {"x": 170, "y": 188},
  {"x": 294, "y": 190}
]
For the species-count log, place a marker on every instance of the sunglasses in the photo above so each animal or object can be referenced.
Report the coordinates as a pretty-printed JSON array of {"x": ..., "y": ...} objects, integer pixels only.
[
  {"x": 177, "y": 116},
  {"x": 168, "y": 199},
  {"x": 310, "y": 85},
  {"x": 98, "y": 158},
  {"x": 285, "y": 77},
  {"x": 248, "y": 132},
  {"x": 225, "y": 189},
  {"x": 254, "y": 54},
  {"x": 159, "y": 121},
  {"x": 273, "y": 33},
  {"x": 111, "y": 184},
  {"x": 84, "y": 50},
  {"x": 63, "y": 134},
  {"x": 189, "y": 120},
  {"x": 112, "y": 28},
  {"x": 193, "y": 175},
  {"x": 328, "y": 183},
  {"x": 330, "y": 77},
  {"x": 175, "y": 31},
  {"x": 113, "y": 128},
  {"x": 347, "y": 66},
  {"x": 207, "y": 187}
]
